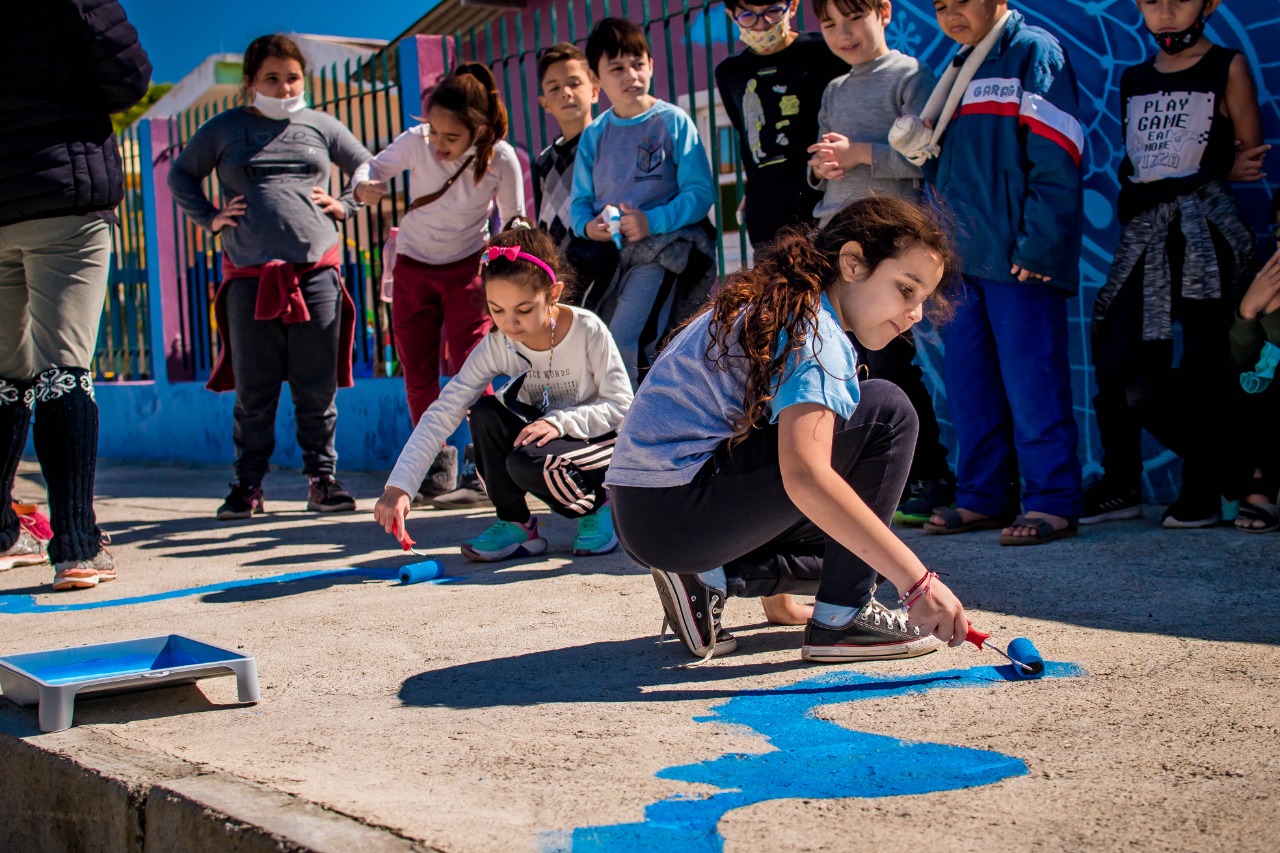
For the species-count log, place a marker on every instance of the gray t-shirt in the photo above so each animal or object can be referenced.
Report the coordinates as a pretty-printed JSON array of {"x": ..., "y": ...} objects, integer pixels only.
[
  {"x": 863, "y": 105},
  {"x": 273, "y": 163}
]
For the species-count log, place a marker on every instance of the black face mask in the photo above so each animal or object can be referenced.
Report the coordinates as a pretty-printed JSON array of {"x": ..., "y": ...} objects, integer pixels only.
[{"x": 1174, "y": 43}]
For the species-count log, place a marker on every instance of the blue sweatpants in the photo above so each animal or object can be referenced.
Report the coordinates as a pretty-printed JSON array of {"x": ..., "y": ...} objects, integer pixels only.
[{"x": 1008, "y": 382}]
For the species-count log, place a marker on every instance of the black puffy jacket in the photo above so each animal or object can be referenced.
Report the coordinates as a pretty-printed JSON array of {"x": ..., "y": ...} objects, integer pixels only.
[{"x": 65, "y": 67}]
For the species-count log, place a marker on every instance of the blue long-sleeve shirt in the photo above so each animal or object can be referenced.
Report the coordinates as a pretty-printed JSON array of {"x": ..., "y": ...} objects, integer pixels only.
[{"x": 653, "y": 162}]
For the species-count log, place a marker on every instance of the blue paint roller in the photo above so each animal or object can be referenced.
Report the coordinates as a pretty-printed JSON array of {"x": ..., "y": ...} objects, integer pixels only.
[
  {"x": 419, "y": 572},
  {"x": 1026, "y": 659}
]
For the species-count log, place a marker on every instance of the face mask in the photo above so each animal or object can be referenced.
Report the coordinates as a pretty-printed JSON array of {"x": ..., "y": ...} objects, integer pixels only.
[
  {"x": 278, "y": 108},
  {"x": 766, "y": 41},
  {"x": 1172, "y": 43}
]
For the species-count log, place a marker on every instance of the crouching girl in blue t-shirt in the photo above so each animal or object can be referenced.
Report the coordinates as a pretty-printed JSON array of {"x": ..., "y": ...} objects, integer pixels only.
[{"x": 752, "y": 451}]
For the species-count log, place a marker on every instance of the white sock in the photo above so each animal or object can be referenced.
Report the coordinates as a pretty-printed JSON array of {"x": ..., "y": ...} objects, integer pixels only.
[
  {"x": 715, "y": 578},
  {"x": 833, "y": 614}
]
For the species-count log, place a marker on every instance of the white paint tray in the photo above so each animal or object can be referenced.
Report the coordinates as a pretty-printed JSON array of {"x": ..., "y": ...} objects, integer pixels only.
[{"x": 54, "y": 678}]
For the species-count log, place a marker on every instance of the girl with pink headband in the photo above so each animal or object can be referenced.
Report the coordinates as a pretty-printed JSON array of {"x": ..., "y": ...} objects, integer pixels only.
[{"x": 550, "y": 431}]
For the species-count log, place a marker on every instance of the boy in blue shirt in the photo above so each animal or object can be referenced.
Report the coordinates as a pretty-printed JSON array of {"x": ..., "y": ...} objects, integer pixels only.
[
  {"x": 1008, "y": 146},
  {"x": 644, "y": 157}
]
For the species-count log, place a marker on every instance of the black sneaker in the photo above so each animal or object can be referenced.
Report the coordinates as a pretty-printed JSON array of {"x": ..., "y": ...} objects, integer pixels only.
[
  {"x": 328, "y": 495},
  {"x": 693, "y": 611},
  {"x": 924, "y": 498},
  {"x": 244, "y": 501},
  {"x": 1192, "y": 510},
  {"x": 442, "y": 477},
  {"x": 874, "y": 633},
  {"x": 1106, "y": 500},
  {"x": 470, "y": 493}
]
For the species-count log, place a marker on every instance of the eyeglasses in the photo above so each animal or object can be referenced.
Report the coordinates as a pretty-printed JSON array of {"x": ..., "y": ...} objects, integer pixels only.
[{"x": 748, "y": 19}]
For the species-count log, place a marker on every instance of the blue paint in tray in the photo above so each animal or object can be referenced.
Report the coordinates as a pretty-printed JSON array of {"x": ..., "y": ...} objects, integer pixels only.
[{"x": 812, "y": 759}]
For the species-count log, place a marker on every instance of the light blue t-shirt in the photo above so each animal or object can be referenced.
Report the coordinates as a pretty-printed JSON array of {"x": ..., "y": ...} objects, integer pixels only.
[
  {"x": 687, "y": 405},
  {"x": 653, "y": 162}
]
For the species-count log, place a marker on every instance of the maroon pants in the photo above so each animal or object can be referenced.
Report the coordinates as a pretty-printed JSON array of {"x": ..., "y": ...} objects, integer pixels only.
[{"x": 435, "y": 304}]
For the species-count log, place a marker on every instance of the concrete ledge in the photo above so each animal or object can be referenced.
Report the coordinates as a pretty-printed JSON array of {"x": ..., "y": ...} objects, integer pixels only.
[{"x": 81, "y": 790}]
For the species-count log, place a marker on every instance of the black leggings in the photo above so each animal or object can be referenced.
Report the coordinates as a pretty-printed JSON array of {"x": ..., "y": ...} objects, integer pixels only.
[
  {"x": 566, "y": 473},
  {"x": 736, "y": 513}
]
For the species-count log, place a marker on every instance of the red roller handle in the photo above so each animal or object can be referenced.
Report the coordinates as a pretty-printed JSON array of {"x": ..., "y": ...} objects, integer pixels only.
[{"x": 976, "y": 637}]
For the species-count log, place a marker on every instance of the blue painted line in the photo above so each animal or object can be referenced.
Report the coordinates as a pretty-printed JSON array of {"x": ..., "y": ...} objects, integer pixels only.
[
  {"x": 27, "y": 603},
  {"x": 812, "y": 759}
]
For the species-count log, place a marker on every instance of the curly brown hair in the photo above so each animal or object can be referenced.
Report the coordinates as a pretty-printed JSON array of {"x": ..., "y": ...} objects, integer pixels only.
[
  {"x": 783, "y": 291},
  {"x": 522, "y": 233}
]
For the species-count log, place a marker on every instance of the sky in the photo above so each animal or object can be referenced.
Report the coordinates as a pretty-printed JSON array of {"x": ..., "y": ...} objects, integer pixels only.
[{"x": 179, "y": 34}]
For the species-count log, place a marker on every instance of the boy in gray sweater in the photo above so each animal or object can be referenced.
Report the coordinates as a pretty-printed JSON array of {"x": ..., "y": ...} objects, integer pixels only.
[{"x": 853, "y": 160}]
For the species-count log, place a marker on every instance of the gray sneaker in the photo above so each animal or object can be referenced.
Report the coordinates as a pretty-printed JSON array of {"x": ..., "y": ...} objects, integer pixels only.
[
  {"x": 84, "y": 574},
  {"x": 25, "y": 551},
  {"x": 875, "y": 633}
]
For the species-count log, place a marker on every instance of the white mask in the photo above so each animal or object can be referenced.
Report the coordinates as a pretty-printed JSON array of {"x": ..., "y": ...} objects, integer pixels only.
[{"x": 278, "y": 108}]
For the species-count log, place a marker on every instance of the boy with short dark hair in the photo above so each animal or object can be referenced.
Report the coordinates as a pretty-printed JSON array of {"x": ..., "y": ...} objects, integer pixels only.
[
  {"x": 643, "y": 156},
  {"x": 568, "y": 92},
  {"x": 1003, "y": 127},
  {"x": 772, "y": 90}
]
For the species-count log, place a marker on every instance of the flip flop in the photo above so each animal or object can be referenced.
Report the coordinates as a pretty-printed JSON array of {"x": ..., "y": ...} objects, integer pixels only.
[
  {"x": 1043, "y": 528},
  {"x": 954, "y": 523},
  {"x": 1268, "y": 514}
]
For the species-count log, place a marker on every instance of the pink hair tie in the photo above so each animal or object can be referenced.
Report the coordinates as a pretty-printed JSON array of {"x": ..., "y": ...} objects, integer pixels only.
[{"x": 513, "y": 253}]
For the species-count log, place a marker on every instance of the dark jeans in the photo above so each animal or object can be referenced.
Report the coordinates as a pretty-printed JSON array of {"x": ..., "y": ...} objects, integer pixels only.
[
  {"x": 896, "y": 363},
  {"x": 1185, "y": 407},
  {"x": 567, "y": 474},
  {"x": 1259, "y": 449},
  {"x": 736, "y": 512},
  {"x": 269, "y": 352}
]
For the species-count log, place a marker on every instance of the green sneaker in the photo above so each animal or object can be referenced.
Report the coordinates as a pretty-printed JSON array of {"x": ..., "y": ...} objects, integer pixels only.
[
  {"x": 505, "y": 539},
  {"x": 595, "y": 533}
]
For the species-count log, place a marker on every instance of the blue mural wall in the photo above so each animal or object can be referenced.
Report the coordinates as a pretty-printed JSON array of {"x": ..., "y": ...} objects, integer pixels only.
[{"x": 1103, "y": 37}]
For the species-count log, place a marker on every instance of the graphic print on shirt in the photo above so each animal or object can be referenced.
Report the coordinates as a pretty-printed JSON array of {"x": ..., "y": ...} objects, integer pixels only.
[
  {"x": 649, "y": 156},
  {"x": 1167, "y": 134},
  {"x": 753, "y": 118},
  {"x": 289, "y": 154}
]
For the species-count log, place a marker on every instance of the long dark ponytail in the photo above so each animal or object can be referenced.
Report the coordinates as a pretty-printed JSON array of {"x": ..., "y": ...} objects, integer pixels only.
[
  {"x": 783, "y": 291},
  {"x": 471, "y": 93}
]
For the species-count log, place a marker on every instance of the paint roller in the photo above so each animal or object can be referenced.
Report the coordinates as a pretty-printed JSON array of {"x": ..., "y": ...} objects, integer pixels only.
[
  {"x": 416, "y": 572},
  {"x": 1026, "y": 659}
]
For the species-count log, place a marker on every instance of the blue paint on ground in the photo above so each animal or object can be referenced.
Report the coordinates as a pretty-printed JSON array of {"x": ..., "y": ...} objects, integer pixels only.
[
  {"x": 27, "y": 603},
  {"x": 812, "y": 759}
]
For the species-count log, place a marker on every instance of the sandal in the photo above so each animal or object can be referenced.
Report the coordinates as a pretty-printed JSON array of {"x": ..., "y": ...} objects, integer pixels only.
[
  {"x": 1045, "y": 532},
  {"x": 1268, "y": 514},
  {"x": 953, "y": 522}
]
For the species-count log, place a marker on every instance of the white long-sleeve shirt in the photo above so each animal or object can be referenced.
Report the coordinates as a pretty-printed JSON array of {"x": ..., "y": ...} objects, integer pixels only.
[
  {"x": 588, "y": 386},
  {"x": 456, "y": 224}
]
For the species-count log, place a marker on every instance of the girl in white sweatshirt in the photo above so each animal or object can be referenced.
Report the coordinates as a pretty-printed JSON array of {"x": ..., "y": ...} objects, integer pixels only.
[
  {"x": 459, "y": 166},
  {"x": 550, "y": 432}
]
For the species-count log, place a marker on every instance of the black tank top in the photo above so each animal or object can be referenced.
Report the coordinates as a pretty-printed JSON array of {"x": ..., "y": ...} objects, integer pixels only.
[{"x": 1176, "y": 137}]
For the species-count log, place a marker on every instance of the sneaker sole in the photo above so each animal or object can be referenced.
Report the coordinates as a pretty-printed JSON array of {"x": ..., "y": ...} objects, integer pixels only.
[
  {"x": 1115, "y": 515},
  {"x": 886, "y": 651},
  {"x": 611, "y": 545},
  {"x": 439, "y": 504},
  {"x": 229, "y": 515},
  {"x": 669, "y": 593},
  {"x": 1195, "y": 524},
  {"x": 532, "y": 548},
  {"x": 7, "y": 563},
  {"x": 314, "y": 507},
  {"x": 82, "y": 583}
]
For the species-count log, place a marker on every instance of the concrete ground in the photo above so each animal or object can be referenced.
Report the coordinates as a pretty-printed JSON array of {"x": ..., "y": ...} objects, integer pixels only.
[{"x": 526, "y": 706}]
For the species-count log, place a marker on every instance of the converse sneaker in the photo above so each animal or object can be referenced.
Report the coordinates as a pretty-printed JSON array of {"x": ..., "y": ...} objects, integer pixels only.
[
  {"x": 26, "y": 550},
  {"x": 693, "y": 609},
  {"x": 470, "y": 493},
  {"x": 1106, "y": 500},
  {"x": 595, "y": 533},
  {"x": 328, "y": 495},
  {"x": 84, "y": 574},
  {"x": 442, "y": 477},
  {"x": 244, "y": 501},
  {"x": 874, "y": 633},
  {"x": 504, "y": 540}
]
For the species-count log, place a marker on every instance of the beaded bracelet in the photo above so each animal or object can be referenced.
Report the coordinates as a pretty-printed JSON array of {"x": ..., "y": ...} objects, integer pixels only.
[{"x": 918, "y": 591}]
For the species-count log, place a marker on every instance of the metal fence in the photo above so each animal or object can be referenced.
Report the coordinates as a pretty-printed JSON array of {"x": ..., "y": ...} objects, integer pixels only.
[{"x": 124, "y": 348}]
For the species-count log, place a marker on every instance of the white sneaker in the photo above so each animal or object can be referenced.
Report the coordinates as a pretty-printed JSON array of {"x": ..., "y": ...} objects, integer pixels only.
[{"x": 84, "y": 574}]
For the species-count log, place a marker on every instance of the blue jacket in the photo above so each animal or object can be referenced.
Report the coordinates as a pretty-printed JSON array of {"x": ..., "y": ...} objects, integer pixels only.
[{"x": 1009, "y": 167}]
